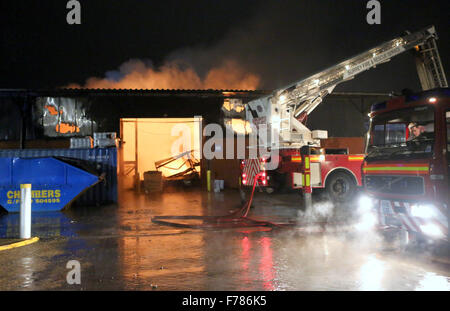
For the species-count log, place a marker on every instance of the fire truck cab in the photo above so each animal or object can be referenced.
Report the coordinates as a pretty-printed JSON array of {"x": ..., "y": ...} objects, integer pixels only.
[{"x": 406, "y": 168}]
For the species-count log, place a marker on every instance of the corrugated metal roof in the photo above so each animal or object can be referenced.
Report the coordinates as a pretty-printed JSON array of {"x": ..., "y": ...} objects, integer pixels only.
[
  {"x": 130, "y": 92},
  {"x": 67, "y": 92}
]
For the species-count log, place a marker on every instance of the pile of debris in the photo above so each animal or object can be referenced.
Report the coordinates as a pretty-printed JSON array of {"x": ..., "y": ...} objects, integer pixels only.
[{"x": 183, "y": 167}]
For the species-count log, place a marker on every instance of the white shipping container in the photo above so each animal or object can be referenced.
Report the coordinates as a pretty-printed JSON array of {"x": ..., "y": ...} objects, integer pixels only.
[
  {"x": 81, "y": 143},
  {"x": 104, "y": 142},
  {"x": 105, "y": 139},
  {"x": 105, "y": 135}
]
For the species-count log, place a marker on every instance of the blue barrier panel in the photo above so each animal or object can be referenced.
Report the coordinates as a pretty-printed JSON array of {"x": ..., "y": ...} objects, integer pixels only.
[{"x": 55, "y": 183}]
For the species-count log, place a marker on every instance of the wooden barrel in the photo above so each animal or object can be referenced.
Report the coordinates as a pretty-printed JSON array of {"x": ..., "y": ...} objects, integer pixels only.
[{"x": 153, "y": 181}]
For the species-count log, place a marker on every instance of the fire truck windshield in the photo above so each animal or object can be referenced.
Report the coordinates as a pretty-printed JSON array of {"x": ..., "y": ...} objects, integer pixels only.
[{"x": 405, "y": 133}]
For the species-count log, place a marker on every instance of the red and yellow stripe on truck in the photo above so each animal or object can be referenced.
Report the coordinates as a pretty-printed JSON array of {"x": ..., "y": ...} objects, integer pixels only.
[{"x": 402, "y": 169}]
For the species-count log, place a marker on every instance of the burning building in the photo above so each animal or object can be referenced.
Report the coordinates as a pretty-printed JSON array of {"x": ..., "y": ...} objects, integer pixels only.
[{"x": 49, "y": 119}]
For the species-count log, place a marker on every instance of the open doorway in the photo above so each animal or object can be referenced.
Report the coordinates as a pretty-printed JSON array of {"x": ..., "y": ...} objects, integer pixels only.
[{"x": 155, "y": 152}]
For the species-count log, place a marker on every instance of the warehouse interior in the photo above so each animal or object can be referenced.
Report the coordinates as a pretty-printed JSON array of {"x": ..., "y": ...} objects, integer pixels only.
[{"x": 158, "y": 144}]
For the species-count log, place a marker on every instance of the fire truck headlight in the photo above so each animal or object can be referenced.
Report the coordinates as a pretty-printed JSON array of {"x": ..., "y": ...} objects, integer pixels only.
[
  {"x": 422, "y": 211},
  {"x": 367, "y": 222},
  {"x": 432, "y": 230},
  {"x": 365, "y": 203},
  {"x": 368, "y": 218}
]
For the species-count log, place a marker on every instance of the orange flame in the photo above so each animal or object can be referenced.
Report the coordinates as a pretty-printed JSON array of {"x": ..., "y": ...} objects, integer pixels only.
[
  {"x": 53, "y": 110},
  {"x": 65, "y": 128}
]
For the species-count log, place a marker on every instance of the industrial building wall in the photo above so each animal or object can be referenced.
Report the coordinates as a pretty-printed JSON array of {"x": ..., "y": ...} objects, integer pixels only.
[
  {"x": 56, "y": 115},
  {"x": 339, "y": 119},
  {"x": 227, "y": 169},
  {"x": 355, "y": 145},
  {"x": 50, "y": 118},
  {"x": 9, "y": 116},
  {"x": 344, "y": 115}
]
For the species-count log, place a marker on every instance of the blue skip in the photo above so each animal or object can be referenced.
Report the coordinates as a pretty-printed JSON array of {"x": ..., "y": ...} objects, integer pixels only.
[{"x": 55, "y": 182}]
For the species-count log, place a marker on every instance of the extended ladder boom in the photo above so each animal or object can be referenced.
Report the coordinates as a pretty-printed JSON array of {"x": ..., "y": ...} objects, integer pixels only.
[
  {"x": 307, "y": 94},
  {"x": 429, "y": 67},
  {"x": 285, "y": 109}
]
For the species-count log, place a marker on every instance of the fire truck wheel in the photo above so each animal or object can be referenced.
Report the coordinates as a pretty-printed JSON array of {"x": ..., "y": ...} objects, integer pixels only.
[{"x": 340, "y": 187}]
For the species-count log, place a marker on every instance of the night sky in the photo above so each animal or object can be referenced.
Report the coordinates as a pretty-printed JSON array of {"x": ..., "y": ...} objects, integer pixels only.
[{"x": 279, "y": 41}]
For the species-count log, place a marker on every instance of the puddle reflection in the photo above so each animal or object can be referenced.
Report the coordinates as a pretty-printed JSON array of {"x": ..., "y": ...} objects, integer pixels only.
[{"x": 43, "y": 225}]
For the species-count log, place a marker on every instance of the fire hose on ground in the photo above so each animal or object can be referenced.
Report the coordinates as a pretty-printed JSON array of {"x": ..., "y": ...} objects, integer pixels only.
[{"x": 238, "y": 219}]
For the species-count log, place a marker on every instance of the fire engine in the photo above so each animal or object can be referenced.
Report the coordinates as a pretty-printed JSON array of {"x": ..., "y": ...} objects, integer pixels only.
[
  {"x": 406, "y": 168},
  {"x": 283, "y": 115}
]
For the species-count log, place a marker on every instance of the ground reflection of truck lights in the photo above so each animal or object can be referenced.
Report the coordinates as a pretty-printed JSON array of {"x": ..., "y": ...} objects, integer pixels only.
[
  {"x": 367, "y": 222},
  {"x": 245, "y": 244},
  {"x": 433, "y": 282},
  {"x": 432, "y": 230},
  {"x": 368, "y": 219},
  {"x": 371, "y": 274},
  {"x": 266, "y": 264},
  {"x": 325, "y": 247},
  {"x": 422, "y": 211},
  {"x": 365, "y": 202}
]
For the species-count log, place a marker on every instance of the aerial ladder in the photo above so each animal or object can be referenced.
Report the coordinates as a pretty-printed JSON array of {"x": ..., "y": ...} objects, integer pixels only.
[
  {"x": 283, "y": 113},
  {"x": 286, "y": 109}
]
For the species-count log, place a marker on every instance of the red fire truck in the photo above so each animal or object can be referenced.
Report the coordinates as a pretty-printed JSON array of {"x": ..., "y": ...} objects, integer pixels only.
[
  {"x": 406, "y": 169},
  {"x": 283, "y": 114},
  {"x": 339, "y": 173}
]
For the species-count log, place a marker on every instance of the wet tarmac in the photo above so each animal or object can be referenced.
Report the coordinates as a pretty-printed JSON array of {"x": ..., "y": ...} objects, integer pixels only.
[{"x": 119, "y": 248}]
